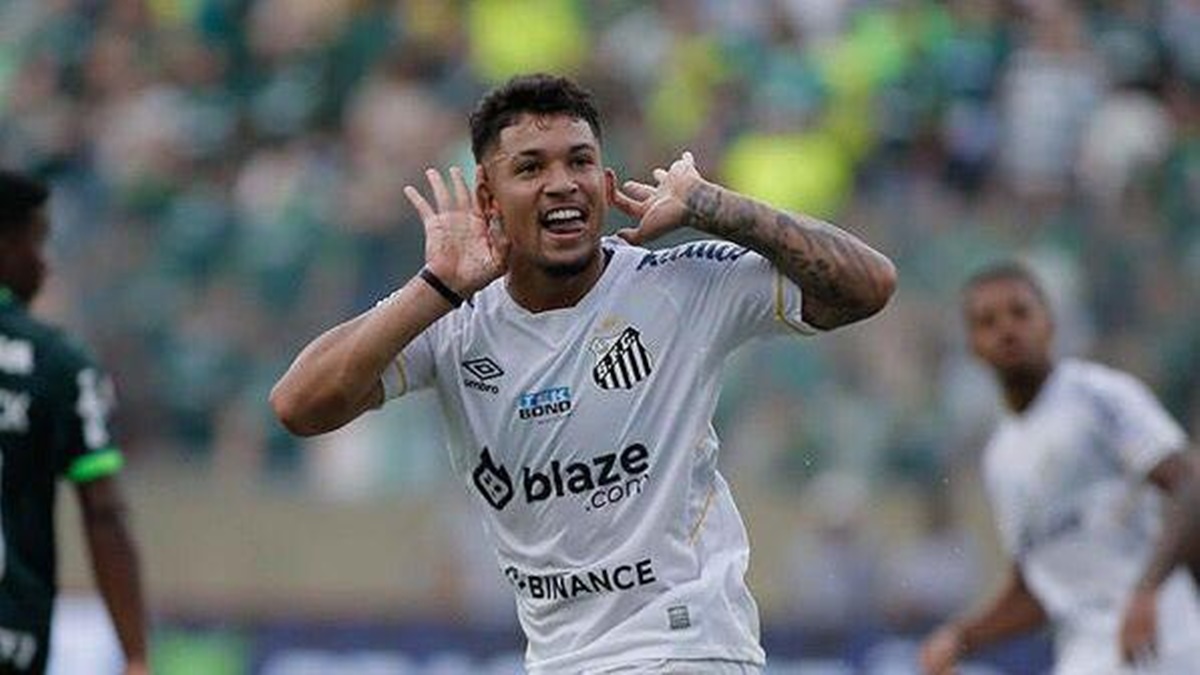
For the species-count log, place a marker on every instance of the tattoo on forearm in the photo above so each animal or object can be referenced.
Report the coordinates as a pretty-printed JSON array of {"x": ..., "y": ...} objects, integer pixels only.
[
  {"x": 842, "y": 277},
  {"x": 703, "y": 205}
]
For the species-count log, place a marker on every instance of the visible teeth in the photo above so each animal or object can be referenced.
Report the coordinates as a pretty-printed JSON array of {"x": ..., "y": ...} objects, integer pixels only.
[{"x": 563, "y": 214}]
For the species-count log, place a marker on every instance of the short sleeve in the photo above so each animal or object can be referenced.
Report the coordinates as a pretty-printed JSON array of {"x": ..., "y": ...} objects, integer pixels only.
[
  {"x": 733, "y": 292},
  {"x": 413, "y": 368},
  {"x": 83, "y": 419},
  {"x": 1141, "y": 432}
]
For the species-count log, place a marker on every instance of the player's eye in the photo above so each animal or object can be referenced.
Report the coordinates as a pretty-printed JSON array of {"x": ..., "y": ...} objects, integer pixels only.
[{"x": 526, "y": 168}]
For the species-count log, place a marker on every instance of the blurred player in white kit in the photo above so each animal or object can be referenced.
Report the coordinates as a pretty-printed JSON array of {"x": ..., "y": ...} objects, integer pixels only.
[{"x": 1095, "y": 497}]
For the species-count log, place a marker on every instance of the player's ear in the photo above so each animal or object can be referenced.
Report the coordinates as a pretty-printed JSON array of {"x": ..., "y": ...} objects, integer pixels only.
[
  {"x": 484, "y": 197},
  {"x": 610, "y": 186}
]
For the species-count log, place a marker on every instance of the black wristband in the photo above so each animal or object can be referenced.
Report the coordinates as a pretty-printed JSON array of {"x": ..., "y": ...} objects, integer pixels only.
[{"x": 438, "y": 285}]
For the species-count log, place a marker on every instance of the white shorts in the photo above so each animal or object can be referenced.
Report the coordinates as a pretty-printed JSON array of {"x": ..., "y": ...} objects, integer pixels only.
[
  {"x": 1104, "y": 661},
  {"x": 682, "y": 667}
]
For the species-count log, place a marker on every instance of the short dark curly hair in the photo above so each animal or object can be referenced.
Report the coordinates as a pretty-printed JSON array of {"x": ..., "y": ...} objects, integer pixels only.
[
  {"x": 20, "y": 196},
  {"x": 539, "y": 93},
  {"x": 1007, "y": 270}
]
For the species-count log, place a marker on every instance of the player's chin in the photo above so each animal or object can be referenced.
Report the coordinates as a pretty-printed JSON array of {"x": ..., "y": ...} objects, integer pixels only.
[
  {"x": 570, "y": 265},
  {"x": 1016, "y": 363}
]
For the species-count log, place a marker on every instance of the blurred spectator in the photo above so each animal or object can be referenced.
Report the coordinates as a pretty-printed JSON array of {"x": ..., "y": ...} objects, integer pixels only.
[
  {"x": 935, "y": 574},
  {"x": 1053, "y": 82},
  {"x": 834, "y": 570}
]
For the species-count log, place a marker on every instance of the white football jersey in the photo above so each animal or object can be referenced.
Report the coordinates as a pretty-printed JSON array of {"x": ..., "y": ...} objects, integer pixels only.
[
  {"x": 584, "y": 436},
  {"x": 1067, "y": 481}
]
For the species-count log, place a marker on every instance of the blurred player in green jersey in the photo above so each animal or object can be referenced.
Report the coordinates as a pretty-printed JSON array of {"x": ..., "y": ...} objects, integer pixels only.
[{"x": 54, "y": 407}]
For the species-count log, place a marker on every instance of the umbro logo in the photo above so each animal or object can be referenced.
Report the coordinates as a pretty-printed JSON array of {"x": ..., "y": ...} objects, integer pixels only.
[
  {"x": 622, "y": 361},
  {"x": 481, "y": 370}
]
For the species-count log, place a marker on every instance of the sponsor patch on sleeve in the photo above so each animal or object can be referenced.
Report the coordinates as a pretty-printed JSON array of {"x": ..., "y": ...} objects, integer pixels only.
[{"x": 713, "y": 251}]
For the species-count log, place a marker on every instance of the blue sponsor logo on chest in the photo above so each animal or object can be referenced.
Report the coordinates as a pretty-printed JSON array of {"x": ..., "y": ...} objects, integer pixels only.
[{"x": 545, "y": 403}]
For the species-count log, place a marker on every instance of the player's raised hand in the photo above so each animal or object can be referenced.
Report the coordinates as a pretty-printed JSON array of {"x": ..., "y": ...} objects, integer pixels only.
[
  {"x": 660, "y": 208},
  {"x": 1139, "y": 628},
  {"x": 940, "y": 652},
  {"x": 461, "y": 248}
]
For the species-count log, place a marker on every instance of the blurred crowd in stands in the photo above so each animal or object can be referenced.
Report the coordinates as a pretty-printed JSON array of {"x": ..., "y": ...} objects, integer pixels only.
[{"x": 228, "y": 180}]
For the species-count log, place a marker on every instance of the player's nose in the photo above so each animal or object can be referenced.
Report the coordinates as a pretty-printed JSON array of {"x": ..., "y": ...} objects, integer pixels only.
[{"x": 560, "y": 181}]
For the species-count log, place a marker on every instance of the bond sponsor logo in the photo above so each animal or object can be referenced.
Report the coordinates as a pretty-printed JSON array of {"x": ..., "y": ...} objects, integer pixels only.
[
  {"x": 716, "y": 251},
  {"x": 481, "y": 370},
  {"x": 16, "y": 356},
  {"x": 573, "y": 585},
  {"x": 622, "y": 361},
  {"x": 14, "y": 410},
  {"x": 541, "y": 405},
  {"x": 601, "y": 482}
]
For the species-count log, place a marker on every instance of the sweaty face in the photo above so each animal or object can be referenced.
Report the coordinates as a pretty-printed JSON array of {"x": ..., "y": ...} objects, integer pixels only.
[
  {"x": 546, "y": 181},
  {"x": 1009, "y": 326},
  {"x": 24, "y": 260}
]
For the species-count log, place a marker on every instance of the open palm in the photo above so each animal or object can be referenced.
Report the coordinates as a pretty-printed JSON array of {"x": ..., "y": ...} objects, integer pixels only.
[
  {"x": 460, "y": 247},
  {"x": 660, "y": 208}
]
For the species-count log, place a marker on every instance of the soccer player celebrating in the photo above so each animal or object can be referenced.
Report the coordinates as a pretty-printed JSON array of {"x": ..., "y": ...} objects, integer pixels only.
[
  {"x": 54, "y": 407},
  {"x": 579, "y": 374},
  {"x": 1069, "y": 472}
]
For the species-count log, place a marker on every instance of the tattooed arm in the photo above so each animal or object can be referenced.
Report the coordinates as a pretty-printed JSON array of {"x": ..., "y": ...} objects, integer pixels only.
[{"x": 843, "y": 279}]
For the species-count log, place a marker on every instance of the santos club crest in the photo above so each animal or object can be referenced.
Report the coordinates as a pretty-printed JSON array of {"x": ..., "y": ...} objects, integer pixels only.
[{"x": 622, "y": 361}]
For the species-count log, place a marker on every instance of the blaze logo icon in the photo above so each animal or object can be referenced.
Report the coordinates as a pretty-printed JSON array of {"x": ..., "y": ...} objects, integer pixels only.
[
  {"x": 624, "y": 362},
  {"x": 492, "y": 481}
]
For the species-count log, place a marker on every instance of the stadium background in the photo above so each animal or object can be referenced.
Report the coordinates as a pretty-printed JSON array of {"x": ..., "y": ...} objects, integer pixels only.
[{"x": 227, "y": 180}]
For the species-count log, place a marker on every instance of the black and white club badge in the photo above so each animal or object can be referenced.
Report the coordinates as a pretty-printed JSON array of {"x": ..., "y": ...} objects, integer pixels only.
[{"x": 622, "y": 361}]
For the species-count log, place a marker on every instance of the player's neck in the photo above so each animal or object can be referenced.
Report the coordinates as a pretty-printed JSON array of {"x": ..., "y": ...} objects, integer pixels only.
[
  {"x": 539, "y": 290},
  {"x": 1021, "y": 387}
]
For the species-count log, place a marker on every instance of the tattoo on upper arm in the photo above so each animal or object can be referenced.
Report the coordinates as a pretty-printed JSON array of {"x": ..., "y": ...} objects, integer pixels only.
[{"x": 838, "y": 273}]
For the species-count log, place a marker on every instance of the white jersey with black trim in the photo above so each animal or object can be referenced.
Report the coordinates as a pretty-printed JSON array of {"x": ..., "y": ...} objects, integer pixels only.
[
  {"x": 1068, "y": 483},
  {"x": 584, "y": 437}
]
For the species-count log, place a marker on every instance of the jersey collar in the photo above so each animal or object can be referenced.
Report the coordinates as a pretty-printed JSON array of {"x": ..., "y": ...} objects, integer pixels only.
[{"x": 610, "y": 250}]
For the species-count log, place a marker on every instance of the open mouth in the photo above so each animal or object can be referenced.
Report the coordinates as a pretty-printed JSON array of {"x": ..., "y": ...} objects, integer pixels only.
[{"x": 565, "y": 220}]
